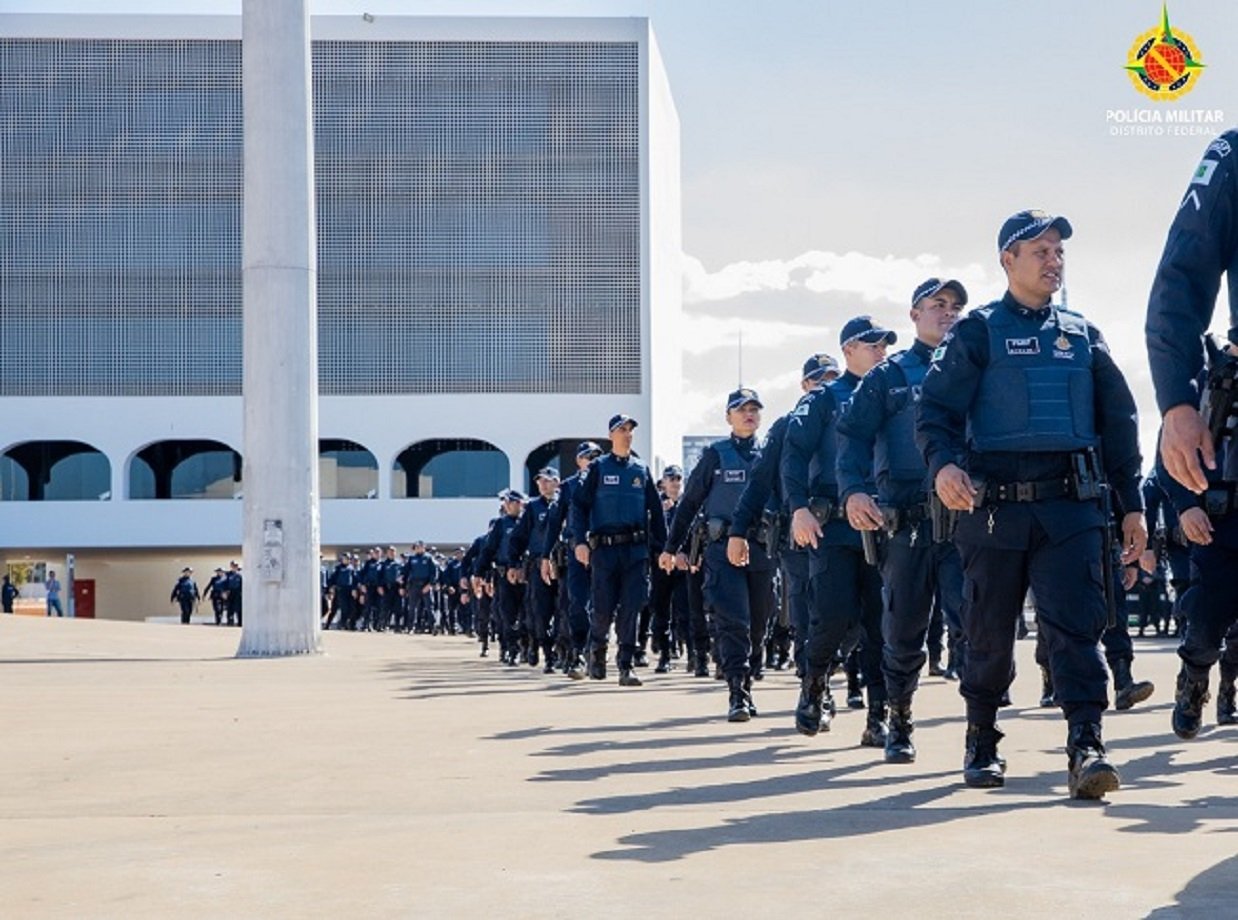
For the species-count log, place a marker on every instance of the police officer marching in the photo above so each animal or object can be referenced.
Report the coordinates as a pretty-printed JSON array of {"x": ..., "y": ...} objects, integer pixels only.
[
  {"x": 618, "y": 524},
  {"x": 185, "y": 593},
  {"x": 532, "y": 542},
  {"x": 1201, "y": 247},
  {"x": 1018, "y": 403},
  {"x": 844, "y": 589},
  {"x": 576, "y": 586},
  {"x": 877, "y": 454},
  {"x": 740, "y": 596}
]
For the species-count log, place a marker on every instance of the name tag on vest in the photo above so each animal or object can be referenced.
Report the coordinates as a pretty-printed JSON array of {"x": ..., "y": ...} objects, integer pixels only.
[
  {"x": 731, "y": 476},
  {"x": 610, "y": 480},
  {"x": 1029, "y": 346}
]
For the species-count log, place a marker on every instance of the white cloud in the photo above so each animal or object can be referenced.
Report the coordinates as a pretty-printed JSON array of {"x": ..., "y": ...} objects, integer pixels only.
[{"x": 872, "y": 278}]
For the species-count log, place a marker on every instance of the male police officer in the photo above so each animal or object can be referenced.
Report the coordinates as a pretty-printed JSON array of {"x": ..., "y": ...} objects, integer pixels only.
[
  {"x": 185, "y": 593},
  {"x": 764, "y": 493},
  {"x": 1202, "y": 246},
  {"x": 844, "y": 590},
  {"x": 668, "y": 591},
  {"x": 499, "y": 552},
  {"x": 740, "y": 596},
  {"x": 234, "y": 592},
  {"x": 419, "y": 576},
  {"x": 576, "y": 575},
  {"x": 216, "y": 591},
  {"x": 532, "y": 542},
  {"x": 877, "y": 453},
  {"x": 1014, "y": 413},
  {"x": 617, "y": 523}
]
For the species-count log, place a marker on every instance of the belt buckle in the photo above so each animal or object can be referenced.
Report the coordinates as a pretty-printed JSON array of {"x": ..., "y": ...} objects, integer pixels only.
[{"x": 1025, "y": 491}]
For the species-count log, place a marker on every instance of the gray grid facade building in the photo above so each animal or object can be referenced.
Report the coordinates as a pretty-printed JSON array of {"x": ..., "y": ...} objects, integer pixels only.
[{"x": 478, "y": 206}]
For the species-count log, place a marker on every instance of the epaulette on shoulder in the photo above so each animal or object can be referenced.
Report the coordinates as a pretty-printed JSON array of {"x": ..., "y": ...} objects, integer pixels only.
[{"x": 1072, "y": 322}]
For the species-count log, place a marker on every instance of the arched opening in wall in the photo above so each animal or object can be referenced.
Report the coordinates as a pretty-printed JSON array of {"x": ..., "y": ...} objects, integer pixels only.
[
  {"x": 185, "y": 469},
  {"x": 560, "y": 453},
  {"x": 53, "y": 471},
  {"x": 346, "y": 470},
  {"x": 450, "y": 468}
]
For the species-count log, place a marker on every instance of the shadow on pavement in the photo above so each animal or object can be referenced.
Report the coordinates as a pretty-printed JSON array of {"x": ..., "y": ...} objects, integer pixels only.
[{"x": 1209, "y": 894}]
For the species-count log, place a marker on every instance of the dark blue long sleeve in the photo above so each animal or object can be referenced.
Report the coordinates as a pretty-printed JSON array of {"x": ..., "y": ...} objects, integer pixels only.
[{"x": 1201, "y": 246}]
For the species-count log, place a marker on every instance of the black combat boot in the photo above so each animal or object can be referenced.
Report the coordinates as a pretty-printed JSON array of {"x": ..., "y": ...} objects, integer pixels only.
[
  {"x": 597, "y": 663},
  {"x": 1227, "y": 708},
  {"x": 934, "y": 666},
  {"x": 874, "y": 734},
  {"x": 737, "y": 709},
  {"x": 628, "y": 679},
  {"x": 855, "y": 695},
  {"x": 1126, "y": 690},
  {"x": 1189, "y": 705},
  {"x": 1091, "y": 774},
  {"x": 748, "y": 701},
  {"x": 810, "y": 714},
  {"x": 1046, "y": 687},
  {"x": 664, "y": 663},
  {"x": 702, "y": 665},
  {"x": 640, "y": 659},
  {"x": 575, "y": 667},
  {"x": 899, "y": 748},
  {"x": 982, "y": 768}
]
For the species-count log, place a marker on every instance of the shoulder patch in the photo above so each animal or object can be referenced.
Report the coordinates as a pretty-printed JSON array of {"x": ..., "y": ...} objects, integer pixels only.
[
  {"x": 1072, "y": 323},
  {"x": 801, "y": 410},
  {"x": 1221, "y": 147}
]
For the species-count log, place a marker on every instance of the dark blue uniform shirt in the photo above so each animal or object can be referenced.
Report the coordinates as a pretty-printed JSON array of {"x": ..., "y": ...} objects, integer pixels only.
[
  {"x": 1202, "y": 245},
  {"x": 949, "y": 394}
]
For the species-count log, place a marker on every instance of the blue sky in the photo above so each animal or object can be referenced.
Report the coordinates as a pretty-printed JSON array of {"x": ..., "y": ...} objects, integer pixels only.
[{"x": 835, "y": 154}]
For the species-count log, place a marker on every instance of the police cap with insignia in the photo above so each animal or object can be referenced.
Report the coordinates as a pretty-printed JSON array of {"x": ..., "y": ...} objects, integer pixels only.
[
  {"x": 548, "y": 472},
  {"x": 934, "y": 286},
  {"x": 819, "y": 366},
  {"x": 674, "y": 471},
  {"x": 588, "y": 449},
  {"x": 742, "y": 397},
  {"x": 863, "y": 329},
  {"x": 1030, "y": 225},
  {"x": 617, "y": 420}
]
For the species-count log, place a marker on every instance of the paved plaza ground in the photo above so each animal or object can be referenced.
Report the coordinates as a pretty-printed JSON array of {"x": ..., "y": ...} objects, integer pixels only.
[{"x": 148, "y": 773}]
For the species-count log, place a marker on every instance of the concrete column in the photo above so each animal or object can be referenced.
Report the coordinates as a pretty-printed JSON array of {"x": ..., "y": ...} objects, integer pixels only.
[{"x": 281, "y": 532}]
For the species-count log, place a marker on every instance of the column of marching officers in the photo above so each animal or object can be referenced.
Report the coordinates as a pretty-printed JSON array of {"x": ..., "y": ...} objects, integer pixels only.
[{"x": 993, "y": 460}]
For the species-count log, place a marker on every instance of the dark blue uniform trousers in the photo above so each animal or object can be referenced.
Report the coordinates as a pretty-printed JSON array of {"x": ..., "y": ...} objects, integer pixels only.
[
  {"x": 1067, "y": 580},
  {"x": 620, "y": 588},
  {"x": 845, "y": 591},
  {"x": 795, "y": 578},
  {"x": 541, "y": 608},
  {"x": 1210, "y": 605},
  {"x": 509, "y": 599},
  {"x": 741, "y": 598},
  {"x": 578, "y": 612},
  {"x": 913, "y": 573}
]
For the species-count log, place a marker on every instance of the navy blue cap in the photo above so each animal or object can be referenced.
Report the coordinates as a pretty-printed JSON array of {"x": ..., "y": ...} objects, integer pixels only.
[
  {"x": 742, "y": 397},
  {"x": 548, "y": 472},
  {"x": 674, "y": 471},
  {"x": 588, "y": 447},
  {"x": 617, "y": 420},
  {"x": 1028, "y": 225},
  {"x": 936, "y": 285},
  {"x": 511, "y": 495},
  {"x": 863, "y": 329},
  {"x": 818, "y": 366}
]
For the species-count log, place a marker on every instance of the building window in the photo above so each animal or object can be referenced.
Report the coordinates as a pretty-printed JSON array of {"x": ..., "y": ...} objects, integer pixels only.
[
  {"x": 450, "y": 468},
  {"x": 185, "y": 469},
  {"x": 346, "y": 470},
  {"x": 54, "y": 471}
]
